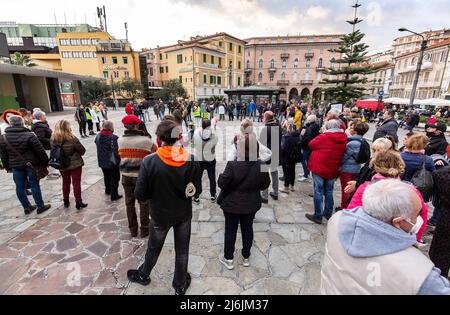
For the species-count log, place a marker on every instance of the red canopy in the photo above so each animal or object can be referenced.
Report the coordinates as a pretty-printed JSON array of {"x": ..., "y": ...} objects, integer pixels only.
[{"x": 372, "y": 105}]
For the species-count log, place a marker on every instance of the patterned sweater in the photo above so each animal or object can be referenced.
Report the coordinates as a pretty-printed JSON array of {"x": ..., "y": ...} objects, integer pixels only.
[{"x": 133, "y": 148}]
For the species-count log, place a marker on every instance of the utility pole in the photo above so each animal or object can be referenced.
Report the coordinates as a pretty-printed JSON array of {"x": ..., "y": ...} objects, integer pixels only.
[
  {"x": 126, "y": 31},
  {"x": 104, "y": 16},
  {"x": 112, "y": 87},
  {"x": 100, "y": 14}
]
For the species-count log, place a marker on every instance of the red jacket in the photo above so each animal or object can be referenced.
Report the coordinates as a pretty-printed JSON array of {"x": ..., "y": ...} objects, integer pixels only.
[
  {"x": 327, "y": 152},
  {"x": 129, "y": 109}
]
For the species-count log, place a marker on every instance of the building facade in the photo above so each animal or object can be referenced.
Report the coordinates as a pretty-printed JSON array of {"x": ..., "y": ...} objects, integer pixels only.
[
  {"x": 434, "y": 76},
  {"x": 294, "y": 63},
  {"x": 381, "y": 80},
  {"x": 206, "y": 66},
  {"x": 410, "y": 43}
]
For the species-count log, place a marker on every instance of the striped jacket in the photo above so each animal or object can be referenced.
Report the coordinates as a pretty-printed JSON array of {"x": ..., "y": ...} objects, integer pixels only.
[{"x": 133, "y": 148}]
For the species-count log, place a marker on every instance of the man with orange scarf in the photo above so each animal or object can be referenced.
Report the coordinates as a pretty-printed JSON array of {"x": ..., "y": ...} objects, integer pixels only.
[{"x": 169, "y": 179}]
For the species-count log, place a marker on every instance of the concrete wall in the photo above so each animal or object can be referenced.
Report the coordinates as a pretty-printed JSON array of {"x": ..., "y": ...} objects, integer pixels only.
[
  {"x": 7, "y": 93},
  {"x": 39, "y": 93}
]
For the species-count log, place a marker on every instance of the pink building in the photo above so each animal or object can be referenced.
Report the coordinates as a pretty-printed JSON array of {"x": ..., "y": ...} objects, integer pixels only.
[{"x": 293, "y": 63}]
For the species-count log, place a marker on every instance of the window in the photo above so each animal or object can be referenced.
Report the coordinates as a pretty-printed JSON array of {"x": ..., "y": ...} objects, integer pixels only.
[
  {"x": 239, "y": 65},
  {"x": 231, "y": 64},
  {"x": 116, "y": 74},
  {"x": 212, "y": 60},
  {"x": 260, "y": 77},
  {"x": 261, "y": 52},
  {"x": 220, "y": 44},
  {"x": 204, "y": 58},
  {"x": 125, "y": 60},
  {"x": 95, "y": 41},
  {"x": 62, "y": 42},
  {"x": 114, "y": 60},
  {"x": 85, "y": 42},
  {"x": 261, "y": 63},
  {"x": 271, "y": 76},
  {"x": 86, "y": 54},
  {"x": 284, "y": 63},
  {"x": 295, "y": 77},
  {"x": 240, "y": 49},
  {"x": 320, "y": 63},
  {"x": 127, "y": 75},
  {"x": 219, "y": 80},
  {"x": 231, "y": 46},
  {"x": 167, "y": 69},
  {"x": 296, "y": 63},
  {"x": 308, "y": 62},
  {"x": 160, "y": 56},
  {"x": 427, "y": 76},
  {"x": 105, "y": 74},
  {"x": 179, "y": 59},
  {"x": 212, "y": 79},
  {"x": 180, "y": 78},
  {"x": 438, "y": 76},
  {"x": 272, "y": 64},
  {"x": 161, "y": 69},
  {"x": 151, "y": 72},
  {"x": 239, "y": 80},
  {"x": 442, "y": 58},
  {"x": 205, "y": 81},
  {"x": 247, "y": 66},
  {"x": 220, "y": 62}
]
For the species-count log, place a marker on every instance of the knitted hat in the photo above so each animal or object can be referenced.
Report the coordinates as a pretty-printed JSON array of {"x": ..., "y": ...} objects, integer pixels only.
[{"x": 131, "y": 120}]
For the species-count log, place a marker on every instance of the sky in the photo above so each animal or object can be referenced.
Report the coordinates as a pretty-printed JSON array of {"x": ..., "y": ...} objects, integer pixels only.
[{"x": 164, "y": 22}]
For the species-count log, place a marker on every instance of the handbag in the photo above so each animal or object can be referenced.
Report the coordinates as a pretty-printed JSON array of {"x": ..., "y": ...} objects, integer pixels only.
[
  {"x": 39, "y": 171},
  {"x": 113, "y": 160}
]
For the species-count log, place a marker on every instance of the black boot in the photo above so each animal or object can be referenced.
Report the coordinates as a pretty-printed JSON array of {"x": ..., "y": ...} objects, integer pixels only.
[
  {"x": 81, "y": 205},
  {"x": 66, "y": 203}
]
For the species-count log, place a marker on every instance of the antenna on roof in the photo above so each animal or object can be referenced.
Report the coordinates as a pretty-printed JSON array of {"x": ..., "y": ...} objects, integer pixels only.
[{"x": 56, "y": 21}]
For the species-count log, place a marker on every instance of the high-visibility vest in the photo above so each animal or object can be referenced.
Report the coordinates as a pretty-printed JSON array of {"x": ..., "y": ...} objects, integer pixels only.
[
  {"x": 88, "y": 114},
  {"x": 197, "y": 112}
]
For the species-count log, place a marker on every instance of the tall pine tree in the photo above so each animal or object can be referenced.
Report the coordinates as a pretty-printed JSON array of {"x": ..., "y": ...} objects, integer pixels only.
[{"x": 349, "y": 71}]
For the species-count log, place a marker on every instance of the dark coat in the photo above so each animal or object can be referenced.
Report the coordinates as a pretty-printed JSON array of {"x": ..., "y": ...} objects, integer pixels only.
[
  {"x": 440, "y": 246},
  {"x": 437, "y": 145},
  {"x": 272, "y": 128},
  {"x": 388, "y": 128},
  {"x": 106, "y": 145},
  {"x": 241, "y": 184},
  {"x": 27, "y": 144},
  {"x": 288, "y": 143},
  {"x": 80, "y": 115},
  {"x": 43, "y": 132},
  {"x": 74, "y": 150},
  {"x": 312, "y": 131}
]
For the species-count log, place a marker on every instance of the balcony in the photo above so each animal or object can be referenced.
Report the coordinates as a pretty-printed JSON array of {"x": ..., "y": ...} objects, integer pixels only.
[
  {"x": 272, "y": 69},
  {"x": 284, "y": 56},
  {"x": 306, "y": 82},
  {"x": 320, "y": 68},
  {"x": 248, "y": 70},
  {"x": 309, "y": 55},
  {"x": 282, "y": 82}
]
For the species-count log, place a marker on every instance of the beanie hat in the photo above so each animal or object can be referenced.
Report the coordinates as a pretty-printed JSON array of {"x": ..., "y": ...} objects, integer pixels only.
[{"x": 131, "y": 120}]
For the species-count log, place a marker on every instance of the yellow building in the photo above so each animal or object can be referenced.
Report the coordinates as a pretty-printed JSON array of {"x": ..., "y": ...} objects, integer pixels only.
[{"x": 205, "y": 65}]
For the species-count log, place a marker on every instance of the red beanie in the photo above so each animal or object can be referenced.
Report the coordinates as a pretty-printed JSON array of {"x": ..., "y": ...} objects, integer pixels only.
[{"x": 131, "y": 120}]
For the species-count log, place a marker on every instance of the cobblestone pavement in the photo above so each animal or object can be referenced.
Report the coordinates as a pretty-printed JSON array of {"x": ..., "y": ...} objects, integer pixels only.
[{"x": 89, "y": 252}]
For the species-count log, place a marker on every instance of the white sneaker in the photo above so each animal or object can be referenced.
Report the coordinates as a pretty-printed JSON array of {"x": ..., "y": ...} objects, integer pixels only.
[
  {"x": 229, "y": 264},
  {"x": 302, "y": 179},
  {"x": 246, "y": 262},
  {"x": 285, "y": 190}
]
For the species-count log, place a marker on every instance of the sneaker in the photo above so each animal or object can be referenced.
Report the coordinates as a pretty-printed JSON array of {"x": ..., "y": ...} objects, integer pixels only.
[
  {"x": 285, "y": 190},
  {"x": 29, "y": 193},
  {"x": 302, "y": 179},
  {"x": 187, "y": 284},
  {"x": 421, "y": 244},
  {"x": 229, "y": 264},
  {"x": 29, "y": 210},
  {"x": 312, "y": 218},
  {"x": 246, "y": 262},
  {"x": 43, "y": 209},
  {"x": 135, "y": 277},
  {"x": 274, "y": 197},
  {"x": 264, "y": 200},
  {"x": 213, "y": 198},
  {"x": 197, "y": 201}
]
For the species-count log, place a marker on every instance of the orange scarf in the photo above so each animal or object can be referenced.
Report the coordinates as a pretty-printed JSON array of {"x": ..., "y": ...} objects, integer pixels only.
[{"x": 173, "y": 156}]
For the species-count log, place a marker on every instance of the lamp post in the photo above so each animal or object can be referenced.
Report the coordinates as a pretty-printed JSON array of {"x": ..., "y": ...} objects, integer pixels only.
[{"x": 419, "y": 63}]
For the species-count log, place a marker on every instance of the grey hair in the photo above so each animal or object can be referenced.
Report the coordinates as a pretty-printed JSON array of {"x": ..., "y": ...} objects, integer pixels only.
[
  {"x": 38, "y": 115},
  {"x": 36, "y": 109},
  {"x": 334, "y": 112},
  {"x": 381, "y": 144},
  {"x": 15, "y": 121},
  {"x": 108, "y": 125},
  {"x": 311, "y": 118},
  {"x": 388, "y": 199},
  {"x": 332, "y": 124}
]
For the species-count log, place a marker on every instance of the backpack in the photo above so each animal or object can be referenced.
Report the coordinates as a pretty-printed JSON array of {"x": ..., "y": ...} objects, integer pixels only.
[
  {"x": 58, "y": 159},
  {"x": 364, "y": 151},
  {"x": 423, "y": 180}
]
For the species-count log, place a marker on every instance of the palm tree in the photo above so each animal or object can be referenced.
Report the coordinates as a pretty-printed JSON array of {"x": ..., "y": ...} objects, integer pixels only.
[{"x": 22, "y": 60}]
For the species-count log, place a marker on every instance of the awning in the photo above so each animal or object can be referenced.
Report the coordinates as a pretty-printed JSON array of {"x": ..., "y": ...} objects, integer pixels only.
[
  {"x": 372, "y": 105},
  {"x": 39, "y": 72}
]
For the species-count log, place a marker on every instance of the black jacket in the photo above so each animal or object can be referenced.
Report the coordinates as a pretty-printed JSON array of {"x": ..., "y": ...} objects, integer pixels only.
[
  {"x": 43, "y": 132},
  {"x": 272, "y": 128},
  {"x": 388, "y": 128},
  {"x": 27, "y": 144},
  {"x": 437, "y": 145},
  {"x": 107, "y": 144},
  {"x": 288, "y": 143},
  {"x": 165, "y": 187},
  {"x": 312, "y": 131},
  {"x": 241, "y": 184}
]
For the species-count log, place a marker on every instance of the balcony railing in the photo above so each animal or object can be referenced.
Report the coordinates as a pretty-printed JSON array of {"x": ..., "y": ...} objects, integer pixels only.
[
  {"x": 309, "y": 55},
  {"x": 248, "y": 70},
  {"x": 272, "y": 69},
  {"x": 320, "y": 68},
  {"x": 282, "y": 82},
  {"x": 306, "y": 82},
  {"x": 284, "y": 56}
]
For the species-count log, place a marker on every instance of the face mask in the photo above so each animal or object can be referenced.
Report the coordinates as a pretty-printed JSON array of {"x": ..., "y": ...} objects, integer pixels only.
[{"x": 416, "y": 227}]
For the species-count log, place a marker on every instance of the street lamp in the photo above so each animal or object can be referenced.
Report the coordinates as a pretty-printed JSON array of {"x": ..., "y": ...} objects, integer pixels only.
[{"x": 419, "y": 63}]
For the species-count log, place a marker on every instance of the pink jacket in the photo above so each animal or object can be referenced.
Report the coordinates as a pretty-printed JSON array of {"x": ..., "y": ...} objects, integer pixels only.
[{"x": 357, "y": 202}]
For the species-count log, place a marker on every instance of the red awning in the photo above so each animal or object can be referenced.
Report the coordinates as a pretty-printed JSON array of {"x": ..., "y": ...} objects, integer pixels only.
[{"x": 371, "y": 105}]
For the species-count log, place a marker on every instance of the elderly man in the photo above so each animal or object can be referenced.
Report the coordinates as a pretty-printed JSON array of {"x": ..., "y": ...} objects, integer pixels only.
[
  {"x": 42, "y": 130},
  {"x": 327, "y": 152},
  {"x": 370, "y": 250},
  {"x": 388, "y": 128}
]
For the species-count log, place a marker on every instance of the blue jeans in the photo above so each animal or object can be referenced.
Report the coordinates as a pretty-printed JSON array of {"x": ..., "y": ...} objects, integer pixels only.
[
  {"x": 306, "y": 154},
  {"x": 20, "y": 178},
  {"x": 323, "y": 187},
  {"x": 435, "y": 217}
]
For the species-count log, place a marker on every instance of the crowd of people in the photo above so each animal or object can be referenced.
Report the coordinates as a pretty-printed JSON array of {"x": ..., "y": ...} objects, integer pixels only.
[{"x": 381, "y": 218}]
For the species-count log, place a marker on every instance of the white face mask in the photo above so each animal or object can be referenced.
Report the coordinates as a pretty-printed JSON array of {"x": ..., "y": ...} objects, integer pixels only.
[{"x": 416, "y": 227}]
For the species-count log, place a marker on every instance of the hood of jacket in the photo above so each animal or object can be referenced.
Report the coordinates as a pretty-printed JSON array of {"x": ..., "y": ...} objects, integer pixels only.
[
  {"x": 173, "y": 156},
  {"x": 363, "y": 236},
  {"x": 337, "y": 136}
]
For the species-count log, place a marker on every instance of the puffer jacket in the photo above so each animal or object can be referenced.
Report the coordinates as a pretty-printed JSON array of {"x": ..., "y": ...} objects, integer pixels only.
[
  {"x": 43, "y": 132},
  {"x": 349, "y": 163},
  {"x": 388, "y": 128},
  {"x": 241, "y": 184},
  {"x": 107, "y": 144},
  {"x": 74, "y": 150},
  {"x": 27, "y": 144},
  {"x": 438, "y": 145}
]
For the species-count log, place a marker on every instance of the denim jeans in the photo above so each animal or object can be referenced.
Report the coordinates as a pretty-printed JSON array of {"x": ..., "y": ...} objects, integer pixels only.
[
  {"x": 232, "y": 222},
  {"x": 158, "y": 233},
  {"x": 275, "y": 184},
  {"x": 323, "y": 188},
  {"x": 20, "y": 178},
  {"x": 306, "y": 154}
]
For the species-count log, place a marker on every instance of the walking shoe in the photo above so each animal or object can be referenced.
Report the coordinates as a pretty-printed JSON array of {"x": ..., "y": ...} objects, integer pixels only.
[
  {"x": 264, "y": 200},
  {"x": 197, "y": 201},
  {"x": 136, "y": 277},
  {"x": 285, "y": 190},
  {"x": 144, "y": 234},
  {"x": 246, "y": 262},
  {"x": 312, "y": 218},
  {"x": 282, "y": 178},
  {"x": 29, "y": 210},
  {"x": 274, "y": 197},
  {"x": 229, "y": 264},
  {"x": 213, "y": 198},
  {"x": 292, "y": 189},
  {"x": 420, "y": 244},
  {"x": 302, "y": 179},
  {"x": 117, "y": 198},
  {"x": 29, "y": 193},
  {"x": 134, "y": 233},
  {"x": 81, "y": 205},
  {"x": 187, "y": 284},
  {"x": 66, "y": 203},
  {"x": 43, "y": 209}
]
